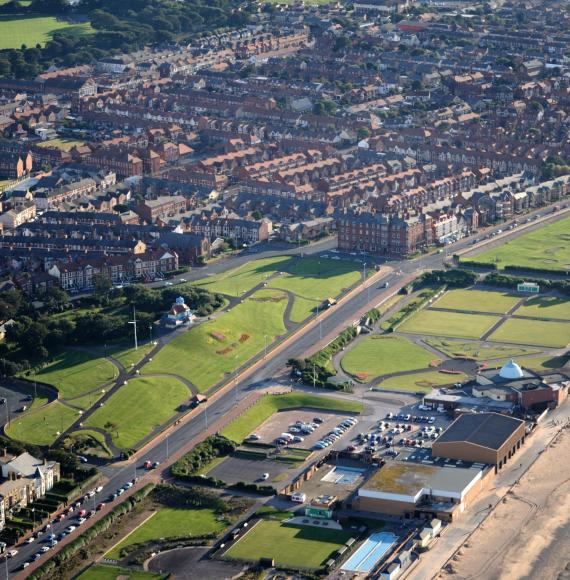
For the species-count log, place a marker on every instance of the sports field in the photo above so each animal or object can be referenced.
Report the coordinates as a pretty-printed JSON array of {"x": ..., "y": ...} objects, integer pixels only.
[
  {"x": 31, "y": 30},
  {"x": 477, "y": 301},
  {"x": 247, "y": 422},
  {"x": 138, "y": 408},
  {"x": 546, "y": 307},
  {"x": 533, "y": 332},
  {"x": 452, "y": 324},
  {"x": 41, "y": 426},
  {"x": 204, "y": 354},
  {"x": 171, "y": 523},
  {"x": 420, "y": 382},
  {"x": 547, "y": 248},
  {"x": 75, "y": 372},
  {"x": 380, "y": 355},
  {"x": 479, "y": 350},
  {"x": 288, "y": 545}
]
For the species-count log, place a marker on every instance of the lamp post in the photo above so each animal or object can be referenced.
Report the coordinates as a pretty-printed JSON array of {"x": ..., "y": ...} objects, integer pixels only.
[{"x": 134, "y": 323}]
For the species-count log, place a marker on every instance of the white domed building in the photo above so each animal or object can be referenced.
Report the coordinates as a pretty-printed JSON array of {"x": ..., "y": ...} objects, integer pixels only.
[{"x": 511, "y": 371}]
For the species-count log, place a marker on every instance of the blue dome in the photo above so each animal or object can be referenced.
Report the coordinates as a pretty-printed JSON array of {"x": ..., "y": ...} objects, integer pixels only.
[{"x": 180, "y": 300}]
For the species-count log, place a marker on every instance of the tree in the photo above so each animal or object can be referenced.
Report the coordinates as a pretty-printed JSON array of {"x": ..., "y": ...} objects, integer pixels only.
[
  {"x": 256, "y": 215},
  {"x": 101, "y": 284},
  {"x": 110, "y": 426}
]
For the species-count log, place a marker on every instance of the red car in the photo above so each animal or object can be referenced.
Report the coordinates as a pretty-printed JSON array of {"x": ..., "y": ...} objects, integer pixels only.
[{"x": 100, "y": 507}]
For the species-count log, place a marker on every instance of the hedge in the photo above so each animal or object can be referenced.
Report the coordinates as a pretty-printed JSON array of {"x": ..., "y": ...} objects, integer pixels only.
[
  {"x": 505, "y": 281},
  {"x": 476, "y": 264},
  {"x": 547, "y": 271},
  {"x": 201, "y": 455}
]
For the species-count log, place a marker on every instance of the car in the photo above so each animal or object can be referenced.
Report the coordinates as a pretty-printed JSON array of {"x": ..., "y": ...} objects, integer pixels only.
[
  {"x": 100, "y": 507},
  {"x": 155, "y": 464},
  {"x": 120, "y": 491},
  {"x": 2, "y": 400},
  {"x": 265, "y": 476},
  {"x": 69, "y": 510},
  {"x": 61, "y": 536},
  {"x": 81, "y": 521},
  {"x": 50, "y": 537},
  {"x": 91, "y": 493},
  {"x": 30, "y": 540},
  {"x": 70, "y": 529},
  {"x": 24, "y": 565},
  {"x": 407, "y": 417},
  {"x": 127, "y": 485},
  {"x": 350, "y": 448},
  {"x": 46, "y": 528},
  {"x": 254, "y": 437},
  {"x": 11, "y": 553},
  {"x": 294, "y": 429},
  {"x": 77, "y": 504},
  {"x": 44, "y": 549},
  {"x": 389, "y": 415},
  {"x": 82, "y": 458},
  {"x": 298, "y": 439},
  {"x": 53, "y": 543},
  {"x": 318, "y": 420},
  {"x": 168, "y": 283},
  {"x": 90, "y": 514}
]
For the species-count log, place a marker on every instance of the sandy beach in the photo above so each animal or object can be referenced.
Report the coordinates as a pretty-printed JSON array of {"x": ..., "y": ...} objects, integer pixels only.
[{"x": 528, "y": 534}]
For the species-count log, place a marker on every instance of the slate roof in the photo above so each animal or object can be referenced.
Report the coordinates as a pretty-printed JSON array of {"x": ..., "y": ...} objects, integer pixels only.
[{"x": 489, "y": 430}]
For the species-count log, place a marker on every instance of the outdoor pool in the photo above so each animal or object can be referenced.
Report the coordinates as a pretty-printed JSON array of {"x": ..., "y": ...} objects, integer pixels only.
[
  {"x": 370, "y": 553},
  {"x": 343, "y": 475}
]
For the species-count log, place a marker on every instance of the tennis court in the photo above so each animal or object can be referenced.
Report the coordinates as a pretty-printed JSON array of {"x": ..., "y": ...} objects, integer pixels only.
[{"x": 370, "y": 553}]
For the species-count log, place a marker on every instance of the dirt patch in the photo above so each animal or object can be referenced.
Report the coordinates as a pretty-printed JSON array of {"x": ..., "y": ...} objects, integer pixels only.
[
  {"x": 218, "y": 336},
  {"x": 225, "y": 350},
  {"x": 244, "y": 337},
  {"x": 362, "y": 376},
  {"x": 269, "y": 299},
  {"x": 435, "y": 363}
]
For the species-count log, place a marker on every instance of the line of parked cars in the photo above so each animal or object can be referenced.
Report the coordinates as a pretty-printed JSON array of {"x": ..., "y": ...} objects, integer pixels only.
[
  {"x": 336, "y": 433},
  {"x": 296, "y": 432}
]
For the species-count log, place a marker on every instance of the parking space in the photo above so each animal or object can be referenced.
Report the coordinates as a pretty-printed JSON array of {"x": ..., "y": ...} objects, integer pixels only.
[
  {"x": 234, "y": 469},
  {"x": 288, "y": 422}
]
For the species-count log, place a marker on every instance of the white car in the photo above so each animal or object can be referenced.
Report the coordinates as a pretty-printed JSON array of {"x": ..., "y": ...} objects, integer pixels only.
[
  {"x": 265, "y": 476},
  {"x": 30, "y": 540},
  {"x": 12, "y": 553},
  {"x": 44, "y": 549},
  {"x": 99, "y": 489}
]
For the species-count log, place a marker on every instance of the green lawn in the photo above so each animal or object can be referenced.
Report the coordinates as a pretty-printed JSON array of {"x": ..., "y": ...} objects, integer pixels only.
[
  {"x": 242, "y": 279},
  {"x": 314, "y": 280},
  {"x": 115, "y": 573},
  {"x": 63, "y": 144},
  {"x": 31, "y": 30},
  {"x": 536, "y": 363},
  {"x": 96, "y": 441},
  {"x": 478, "y": 350},
  {"x": 546, "y": 307},
  {"x": 453, "y": 324},
  {"x": 380, "y": 355},
  {"x": 207, "y": 352},
  {"x": 533, "y": 332},
  {"x": 74, "y": 373},
  {"x": 288, "y": 545},
  {"x": 547, "y": 247},
  {"x": 140, "y": 407},
  {"x": 243, "y": 425},
  {"x": 171, "y": 523},
  {"x": 424, "y": 382},
  {"x": 40, "y": 426},
  {"x": 477, "y": 301},
  {"x": 130, "y": 357}
]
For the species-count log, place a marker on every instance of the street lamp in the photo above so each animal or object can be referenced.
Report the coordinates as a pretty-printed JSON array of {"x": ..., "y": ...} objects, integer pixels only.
[{"x": 265, "y": 348}]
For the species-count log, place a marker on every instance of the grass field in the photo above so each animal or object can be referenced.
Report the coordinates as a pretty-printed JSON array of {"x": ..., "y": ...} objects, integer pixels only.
[
  {"x": 546, "y": 307},
  {"x": 547, "y": 247},
  {"x": 40, "y": 426},
  {"x": 206, "y": 353},
  {"x": 478, "y": 301},
  {"x": 479, "y": 350},
  {"x": 31, "y": 30},
  {"x": 294, "y": 546},
  {"x": 171, "y": 523},
  {"x": 452, "y": 324},
  {"x": 116, "y": 573},
  {"x": 312, "y": 280},
  {"x": 533, "y": 332},
  {"x": 130, "y": 356},
  {"x": 63, "y": 144},
  {"x": 379, "y": 355},
  {"x": 238, "y": 429},
  {"x": 315, "y": 280},
  {"x": 138, "y": 408},
  {"x": 242, "y": 279},
  {"x": 74, "y": 373},
  {"x": 423, "y": 382}
]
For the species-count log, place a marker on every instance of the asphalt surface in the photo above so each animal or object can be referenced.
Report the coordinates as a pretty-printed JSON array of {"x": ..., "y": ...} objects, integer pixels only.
[{"x": 342, "y": 315}]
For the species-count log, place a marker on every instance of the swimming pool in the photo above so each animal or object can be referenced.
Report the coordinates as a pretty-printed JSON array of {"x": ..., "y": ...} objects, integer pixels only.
[
  {"x": 370, "y": 553},
  {"x": 343, "y": 475}
]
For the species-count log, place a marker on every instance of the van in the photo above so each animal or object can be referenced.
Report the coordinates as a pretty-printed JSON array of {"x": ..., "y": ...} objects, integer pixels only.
[{"x": 298, "y": 497}]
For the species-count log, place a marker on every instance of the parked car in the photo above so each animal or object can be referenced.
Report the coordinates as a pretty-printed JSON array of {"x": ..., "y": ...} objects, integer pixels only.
[{"x": 265, "y": 476}]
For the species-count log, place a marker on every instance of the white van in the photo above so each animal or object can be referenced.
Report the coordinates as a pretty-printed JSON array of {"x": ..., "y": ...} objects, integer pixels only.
[{"x": 298, "y": 497}]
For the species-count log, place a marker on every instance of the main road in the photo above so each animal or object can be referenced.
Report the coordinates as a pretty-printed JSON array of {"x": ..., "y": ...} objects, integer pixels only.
[{"x": 338, "y": 318}]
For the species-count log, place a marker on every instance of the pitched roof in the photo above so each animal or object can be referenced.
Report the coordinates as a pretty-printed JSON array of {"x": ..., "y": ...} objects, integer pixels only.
[{"x": 489, "y": 430}]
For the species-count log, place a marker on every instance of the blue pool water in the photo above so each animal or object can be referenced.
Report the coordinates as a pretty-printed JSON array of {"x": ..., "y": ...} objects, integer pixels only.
[
  {"x": 343, "y": 475},
  {"x": 370, "y": 553}
]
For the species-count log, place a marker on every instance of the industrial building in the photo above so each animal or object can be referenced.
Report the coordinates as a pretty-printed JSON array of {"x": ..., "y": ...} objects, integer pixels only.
[{"x": 489, "y": 438}]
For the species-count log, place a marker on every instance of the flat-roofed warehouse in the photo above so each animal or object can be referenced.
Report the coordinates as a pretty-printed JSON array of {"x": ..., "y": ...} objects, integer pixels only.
[{"x": 488, "y": 438}]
